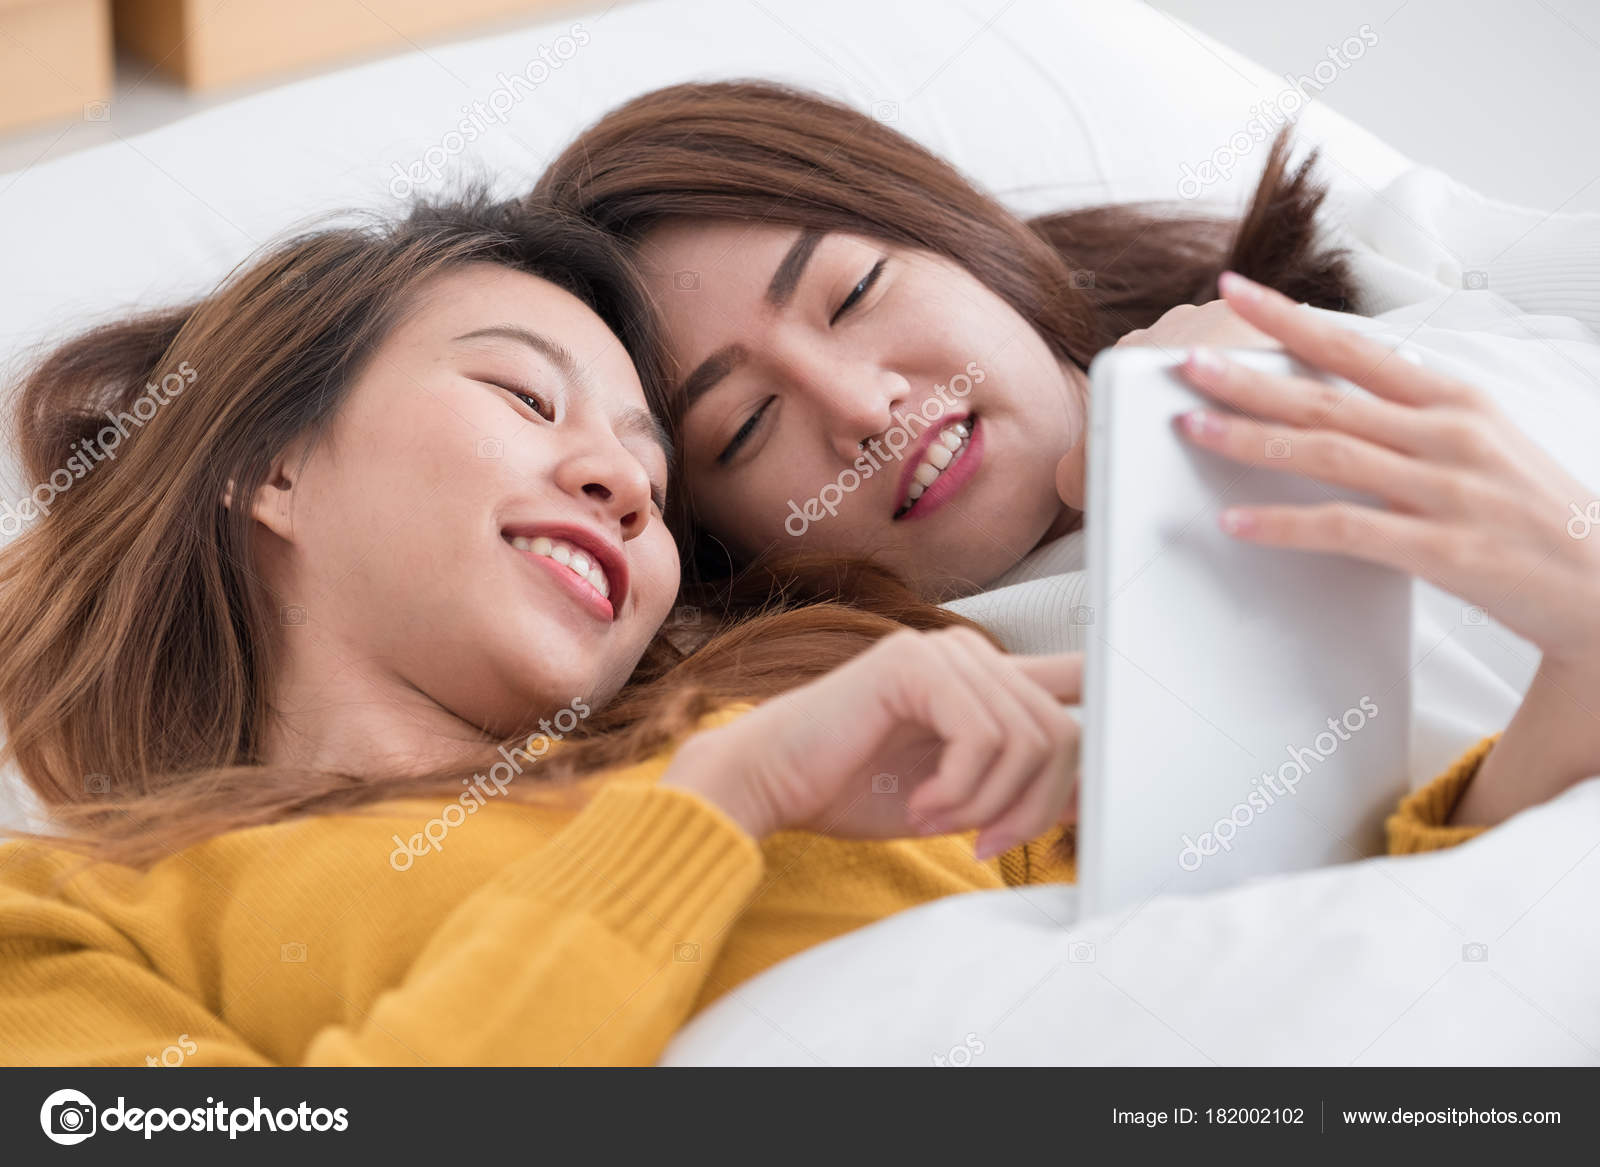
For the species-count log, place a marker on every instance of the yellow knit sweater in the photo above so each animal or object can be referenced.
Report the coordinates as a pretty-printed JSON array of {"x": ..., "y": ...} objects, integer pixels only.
[{"x": 536, "y": 934}]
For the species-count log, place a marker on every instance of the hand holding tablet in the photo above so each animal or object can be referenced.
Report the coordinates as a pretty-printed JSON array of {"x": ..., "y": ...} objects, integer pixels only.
[{"x": 1473, "y": 506}]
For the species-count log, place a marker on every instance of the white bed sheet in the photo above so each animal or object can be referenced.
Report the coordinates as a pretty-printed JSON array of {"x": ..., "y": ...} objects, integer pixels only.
[{"x": 1482, "y": 955}]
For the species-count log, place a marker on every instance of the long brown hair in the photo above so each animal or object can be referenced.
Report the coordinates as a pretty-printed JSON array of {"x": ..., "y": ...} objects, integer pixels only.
[
  {"x": 760, "y": 151},
  {"x": 136, "y": 636}
]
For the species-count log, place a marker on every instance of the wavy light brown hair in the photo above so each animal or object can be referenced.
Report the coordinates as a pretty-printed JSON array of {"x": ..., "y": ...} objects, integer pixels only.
[
  {"x": 760, "y": 151},
  {"x": 136, "y": 636}
]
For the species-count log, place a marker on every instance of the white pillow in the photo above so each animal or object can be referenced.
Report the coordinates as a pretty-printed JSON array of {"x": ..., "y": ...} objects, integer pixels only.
[{"x": 1049, "y": 104}]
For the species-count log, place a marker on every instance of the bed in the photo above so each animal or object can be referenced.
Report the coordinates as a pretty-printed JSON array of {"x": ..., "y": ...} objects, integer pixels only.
[{"x": 1484, "y": 954}]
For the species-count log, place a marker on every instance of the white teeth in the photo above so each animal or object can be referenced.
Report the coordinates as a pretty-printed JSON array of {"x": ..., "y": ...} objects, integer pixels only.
[
  {"x": 576, "y": 561},
  {"x": 939, "y": 455}
]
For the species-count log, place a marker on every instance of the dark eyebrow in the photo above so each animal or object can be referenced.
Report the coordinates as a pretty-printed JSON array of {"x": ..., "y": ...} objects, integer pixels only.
[
  {"x": 725, "y": 360},
  {"x": 708, "y": 372},
  {"x": 791, "y": 268},
  {"x": 556, "y": 352}
]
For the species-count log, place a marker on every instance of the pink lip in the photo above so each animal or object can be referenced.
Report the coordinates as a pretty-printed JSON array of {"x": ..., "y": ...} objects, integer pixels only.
[
  {"x": 914, "y": 455},
  {"x": 951, "y": 480},
  {"x": 609, "y": 558}
]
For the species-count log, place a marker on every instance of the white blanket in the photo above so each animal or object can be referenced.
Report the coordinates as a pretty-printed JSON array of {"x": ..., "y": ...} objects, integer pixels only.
[{"x": 1482, "y": 955}]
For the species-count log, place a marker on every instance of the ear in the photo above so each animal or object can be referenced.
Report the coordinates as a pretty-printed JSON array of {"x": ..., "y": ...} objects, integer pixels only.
[
  {"x": 273, "y": 500},
  {"x": 1069, "y": 478}
]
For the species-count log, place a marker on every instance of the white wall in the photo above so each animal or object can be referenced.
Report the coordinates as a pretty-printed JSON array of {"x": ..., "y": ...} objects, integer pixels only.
[{"x": 1502, "y": 94}]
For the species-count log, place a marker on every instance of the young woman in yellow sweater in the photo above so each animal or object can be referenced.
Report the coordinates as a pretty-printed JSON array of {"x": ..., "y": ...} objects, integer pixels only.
[{"x": 333, "y": 641}]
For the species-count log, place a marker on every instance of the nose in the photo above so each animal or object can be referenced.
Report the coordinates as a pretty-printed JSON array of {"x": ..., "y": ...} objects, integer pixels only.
[
  {"x": 857, "y": 405},
  {"x": 609, "y": 478}
]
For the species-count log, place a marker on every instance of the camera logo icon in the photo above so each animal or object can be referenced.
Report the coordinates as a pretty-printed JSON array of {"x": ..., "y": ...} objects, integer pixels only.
[
  {"x": 1473, "y": 616},
  {"x": 886, "y": 111},
  {"x": 885, "y": 783},
  {"x": 1277, "y": 448},
  {"x": 1081, "y": 614},
  {"x": 292, "y": 953},
  {"x": 1475, "y": 281},
  {"x": 1583, "y": 522},
  {"x": 1080, "y": 952},
  {"x": 686, "y": 281},
  {"x": 490, "y": 448},
  {"x": 686, "y": 953},
  {"x": 1475, "y": 953},
  {"x": 68, "y": 1117},
  {"x": 1082, "y": 279},
  {"x": 291, "y": 615}
]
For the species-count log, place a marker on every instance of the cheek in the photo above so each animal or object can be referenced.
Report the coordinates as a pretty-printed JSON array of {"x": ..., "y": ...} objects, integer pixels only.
[
  {"x": 748, "y": 512},
  {"x": 664, "y": 577},
  {"x": 394, "y": 497}
]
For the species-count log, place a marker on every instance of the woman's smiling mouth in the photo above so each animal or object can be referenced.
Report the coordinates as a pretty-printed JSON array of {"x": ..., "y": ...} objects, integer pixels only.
[
  {"x": 946, "y": 459},
  {"x": 592, "y": 572}
]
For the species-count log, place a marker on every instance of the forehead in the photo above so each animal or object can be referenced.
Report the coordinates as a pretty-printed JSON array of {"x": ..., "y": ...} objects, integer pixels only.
[
  {"x": 716, "y": 245},
  {"x": 482, "y": 295},
  {"x": 710, "y": 279}
]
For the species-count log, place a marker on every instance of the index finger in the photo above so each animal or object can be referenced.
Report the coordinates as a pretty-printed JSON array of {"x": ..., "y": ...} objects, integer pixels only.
[
  {"x": 1060, "y": 674},
  {"x": 1359, "y": 359}
]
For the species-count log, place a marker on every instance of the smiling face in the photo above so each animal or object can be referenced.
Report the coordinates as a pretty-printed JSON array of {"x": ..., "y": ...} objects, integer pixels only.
[
  {"x": 847, "y": 396},
  {"x": 479, "y": 532}
]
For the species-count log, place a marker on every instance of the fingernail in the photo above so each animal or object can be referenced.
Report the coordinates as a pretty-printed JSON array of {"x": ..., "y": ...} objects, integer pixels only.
[
  {"x": 1231, "y": 283},
  {"x": 1237, "y": 522},
  {"x": 1206, "y": 360},
  {"x": 1197, "y": 423}
]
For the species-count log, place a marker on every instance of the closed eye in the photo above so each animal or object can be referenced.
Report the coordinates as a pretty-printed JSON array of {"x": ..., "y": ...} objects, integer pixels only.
[
  {"x": 532, "y": 400},
  {"x": 745, "y": 431},
  {"x": 860, "y": 290}
]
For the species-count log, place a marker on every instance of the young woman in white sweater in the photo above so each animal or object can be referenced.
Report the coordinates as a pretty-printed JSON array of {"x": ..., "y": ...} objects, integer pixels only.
[{"x": 873, "y": 357}]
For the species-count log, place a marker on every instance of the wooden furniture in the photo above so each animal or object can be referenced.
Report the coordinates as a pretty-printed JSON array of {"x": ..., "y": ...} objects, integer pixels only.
[
  {"x": 204, "y": 44},
  {"x": 55, "y": 61}
]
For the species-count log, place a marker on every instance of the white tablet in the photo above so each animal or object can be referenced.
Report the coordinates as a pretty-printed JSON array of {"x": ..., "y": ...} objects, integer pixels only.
[{"x": 1246, "y": 708}]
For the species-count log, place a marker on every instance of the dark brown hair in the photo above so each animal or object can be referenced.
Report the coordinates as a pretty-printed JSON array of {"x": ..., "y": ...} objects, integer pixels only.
[
  {"x": 759, "y": 151},
  {"x": 136, "y": 636}
]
